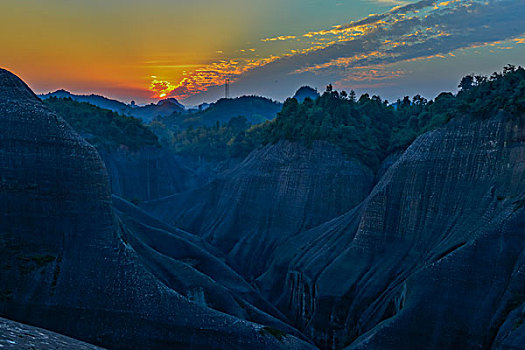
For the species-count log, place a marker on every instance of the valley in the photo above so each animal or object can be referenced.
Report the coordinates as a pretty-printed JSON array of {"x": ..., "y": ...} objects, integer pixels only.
[{"x": 329, "y": 221}]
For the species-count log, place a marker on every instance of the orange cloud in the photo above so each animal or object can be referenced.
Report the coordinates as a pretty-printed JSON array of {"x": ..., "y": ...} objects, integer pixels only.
[
  {"x": 403, "y": 34},
  {"x": 279, "y": 38},
  {"x": 213, "y": 74},
  {"x": 161, "y": 88}
]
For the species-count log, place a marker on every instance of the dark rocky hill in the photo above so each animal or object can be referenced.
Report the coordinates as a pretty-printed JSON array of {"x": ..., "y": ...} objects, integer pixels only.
[
  {"x": 139, "y": 167},
  {"x": 14, "y": 335},
  {"x": 432, "y": 259},
  {"x": 149, "y": 173},
  {"x": 71, "y": 265},
  {"x": 298, "y": 243},
  {"x": 278, "y": 190},
  {"x": 429, "y": 257}
]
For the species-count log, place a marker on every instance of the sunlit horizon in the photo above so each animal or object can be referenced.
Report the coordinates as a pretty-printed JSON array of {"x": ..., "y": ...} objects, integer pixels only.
[{"x": 133, "y": 51}]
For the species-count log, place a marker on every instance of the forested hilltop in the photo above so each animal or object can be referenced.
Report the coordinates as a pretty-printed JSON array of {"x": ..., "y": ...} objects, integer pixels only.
[
  {"x": 102, "y": 127},
  {"x": 367, "y": 128}
]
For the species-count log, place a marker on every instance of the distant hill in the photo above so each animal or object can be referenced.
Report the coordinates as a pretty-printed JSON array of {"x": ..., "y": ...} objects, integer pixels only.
[
  {"x": 305, "y": 92},
  {"x": 255, "y": 109},
  {"x": 163, "y": 108},
  {"x": 145, "y": 113},
  {"x": 103, "y": 128}
]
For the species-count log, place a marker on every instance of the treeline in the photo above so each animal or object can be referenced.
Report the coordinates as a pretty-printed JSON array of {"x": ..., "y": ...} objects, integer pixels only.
[
  {"x": 369, "y": 128},
  {"x": 365, "y": 128},
  {"x": 255, "y": 109},
  {"x": 101, "y": 127},
  {"x": 236, "y": 138}
]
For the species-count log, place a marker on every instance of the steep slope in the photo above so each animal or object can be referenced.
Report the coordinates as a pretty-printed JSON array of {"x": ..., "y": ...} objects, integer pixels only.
[
  {"x": 276, "y": 191},
  {"x": 185, "y": 263},
  {"x": 433, "y": 258},
  {"x": 66, "y": 262},
  {"x": 149, "y": 173},
  {"x": 14, "y": 335},
  {"x": 139, "y": 168}
]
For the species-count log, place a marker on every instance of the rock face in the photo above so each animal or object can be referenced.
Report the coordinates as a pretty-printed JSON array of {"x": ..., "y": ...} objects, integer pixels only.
[
  {"x": 14, "y": 335},
  {"x": 433, "y": 258},
  {"x": 185, "y": 263},
  {"x": 149, "y": 173},
  {"x": 69, "y": 263},
  {"x": 276, "y": 191}
]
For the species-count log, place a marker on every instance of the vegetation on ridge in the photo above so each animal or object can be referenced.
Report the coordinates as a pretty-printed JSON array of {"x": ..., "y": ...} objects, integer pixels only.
[
  {"x": 365, "y": 128},
  {"x": 101, "y": 127},
  {"x": 233, "y": 139},
  {"x": 369, "y": 128}
]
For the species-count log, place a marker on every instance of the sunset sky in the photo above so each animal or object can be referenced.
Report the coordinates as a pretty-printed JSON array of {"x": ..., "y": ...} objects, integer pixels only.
[{"x": 145, "y": 50}]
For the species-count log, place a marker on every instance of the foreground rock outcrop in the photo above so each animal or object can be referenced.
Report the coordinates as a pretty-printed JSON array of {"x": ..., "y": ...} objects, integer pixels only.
[
  {"x": 69, "y": 263},
  {"x": 276, "y": 191},
  {"x": 433, "y": 258},
  {"x": 191, "y": 267},
  {"x": 14, "y": 335}
]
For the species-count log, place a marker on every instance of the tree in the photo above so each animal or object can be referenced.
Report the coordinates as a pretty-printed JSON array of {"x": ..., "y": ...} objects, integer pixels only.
[
  {"x": 466, "y": 83},
  {"x": 352, "y": 96}
]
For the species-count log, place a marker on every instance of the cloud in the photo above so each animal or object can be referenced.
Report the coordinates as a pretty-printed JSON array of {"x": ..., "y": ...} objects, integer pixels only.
[
  {"x": 160, "y": 87},
  {"x": 214, "y": 74},
  {"x": 393, "y": 2},
  {"x": 279, "y": 38},
  {"x": 416, "y": 31}
]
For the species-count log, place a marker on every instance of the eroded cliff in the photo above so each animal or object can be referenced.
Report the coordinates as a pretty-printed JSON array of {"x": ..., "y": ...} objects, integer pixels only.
[
  {"x": 148, "y": 173},
  {"x": 433, "y": 257},
  {"x": 276, "y": 191},
  {"x": 67, "y": 264}
]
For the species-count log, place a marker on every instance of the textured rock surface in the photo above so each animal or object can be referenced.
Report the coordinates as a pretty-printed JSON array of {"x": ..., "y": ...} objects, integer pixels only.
[
  {"x": 276, "y": 191},
  {"x": 185, "y": 263},
  {"x": 14, "y": 335},
  {"x": 149, "y": 173},
  {"x": 433, "y": 258},
  {"x": 66, "y": 264}
]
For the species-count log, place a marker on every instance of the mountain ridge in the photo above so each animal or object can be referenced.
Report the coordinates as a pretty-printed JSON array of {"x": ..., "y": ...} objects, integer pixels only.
[{"x": 146, "y": 113}]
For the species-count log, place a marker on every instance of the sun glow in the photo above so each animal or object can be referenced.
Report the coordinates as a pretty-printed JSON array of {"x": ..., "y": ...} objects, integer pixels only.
[{"x": 161, "y": 88}]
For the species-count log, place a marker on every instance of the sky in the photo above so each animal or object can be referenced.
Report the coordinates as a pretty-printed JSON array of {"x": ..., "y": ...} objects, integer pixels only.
[{"x": 148, "y": 50}]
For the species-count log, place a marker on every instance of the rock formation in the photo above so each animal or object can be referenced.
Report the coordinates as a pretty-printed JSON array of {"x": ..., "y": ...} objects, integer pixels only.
[
  {"x": 14, "y": 335},
  {"x": 433, "y": 258},
  {"x": 428, "y": 253},
  {"x": 276, "y": 191},
  {"x": 67, "y": 264},
  {"x": 149, "y": 173}
]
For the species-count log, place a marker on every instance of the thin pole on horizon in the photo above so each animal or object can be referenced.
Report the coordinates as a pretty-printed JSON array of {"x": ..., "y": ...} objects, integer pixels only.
[{"x": 227, "y": 88}]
